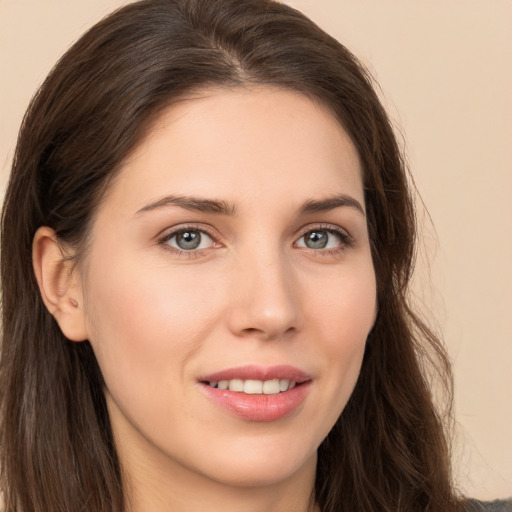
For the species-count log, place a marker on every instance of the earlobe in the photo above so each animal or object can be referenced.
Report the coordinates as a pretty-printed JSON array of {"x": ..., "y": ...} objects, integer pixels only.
[{"x": 59, "y": 284}]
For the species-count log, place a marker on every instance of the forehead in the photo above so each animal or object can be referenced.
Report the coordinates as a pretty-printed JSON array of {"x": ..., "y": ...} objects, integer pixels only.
[{"x": 257, "y": 144}]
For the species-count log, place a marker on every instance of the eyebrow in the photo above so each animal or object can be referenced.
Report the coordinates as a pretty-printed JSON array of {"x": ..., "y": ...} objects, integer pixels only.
[
  {"x": 330, "y": 203},
  {"x": 196, "y": 204},
  {"x": 199, "y": 204}
]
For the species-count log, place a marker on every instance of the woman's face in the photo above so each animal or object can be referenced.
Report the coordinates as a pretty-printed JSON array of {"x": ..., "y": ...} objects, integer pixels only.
[{"x": 231, "y": 251}]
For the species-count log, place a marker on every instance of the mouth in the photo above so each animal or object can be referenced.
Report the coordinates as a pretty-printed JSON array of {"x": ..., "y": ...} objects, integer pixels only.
[{"x": 258, "y": 393}]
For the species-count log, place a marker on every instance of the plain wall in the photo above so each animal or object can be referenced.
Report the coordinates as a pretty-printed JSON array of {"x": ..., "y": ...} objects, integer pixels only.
[{"x": 445, "y": 68}]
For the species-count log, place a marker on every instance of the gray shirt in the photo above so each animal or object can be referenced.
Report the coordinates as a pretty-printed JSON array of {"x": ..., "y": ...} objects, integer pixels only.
[{"x": 490, "y": 506}]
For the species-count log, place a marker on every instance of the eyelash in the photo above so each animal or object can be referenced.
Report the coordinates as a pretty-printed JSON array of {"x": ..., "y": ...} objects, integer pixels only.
[{"x": 346, "y": 241}]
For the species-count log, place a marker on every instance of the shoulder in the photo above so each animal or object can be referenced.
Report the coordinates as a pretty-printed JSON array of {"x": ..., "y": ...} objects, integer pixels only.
[{"x": 490, "y": 506}]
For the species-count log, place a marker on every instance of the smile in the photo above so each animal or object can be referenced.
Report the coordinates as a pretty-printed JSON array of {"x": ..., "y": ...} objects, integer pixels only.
[
  {"x": 255, "y": 387},
  {"x": 256, "y": 393}
]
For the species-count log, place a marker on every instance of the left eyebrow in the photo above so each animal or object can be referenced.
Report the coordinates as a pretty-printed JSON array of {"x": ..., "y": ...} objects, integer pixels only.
[
  {"x": 197, "y": 204},
  {"x": 330, "y": 203}
]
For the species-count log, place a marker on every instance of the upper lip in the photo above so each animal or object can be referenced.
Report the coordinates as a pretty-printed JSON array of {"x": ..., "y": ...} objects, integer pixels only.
[{"x": 255, "y": 372}]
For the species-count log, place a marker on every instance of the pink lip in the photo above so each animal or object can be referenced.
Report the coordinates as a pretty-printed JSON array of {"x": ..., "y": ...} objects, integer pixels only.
[
  {"x": 258, "y": 373},
  {"x": 259, "y": 407}
]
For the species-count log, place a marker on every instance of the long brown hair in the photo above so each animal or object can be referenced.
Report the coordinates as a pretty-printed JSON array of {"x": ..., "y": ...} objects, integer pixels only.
[{"x": 388, "y": 450}]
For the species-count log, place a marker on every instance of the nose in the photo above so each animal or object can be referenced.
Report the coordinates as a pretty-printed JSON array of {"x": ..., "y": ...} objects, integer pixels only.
[{"x": 265, "y": 300}]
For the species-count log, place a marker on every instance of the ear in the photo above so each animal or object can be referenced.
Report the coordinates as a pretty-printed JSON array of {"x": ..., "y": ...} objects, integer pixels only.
[{"x": 59, "y": 283}]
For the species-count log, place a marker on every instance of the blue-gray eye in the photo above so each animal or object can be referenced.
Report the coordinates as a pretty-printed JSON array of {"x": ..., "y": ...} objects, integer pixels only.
[
  {"x": 321, "y": 239},
  {"x": 190, "y": 240},
  {"x": 316, "y": 239}
]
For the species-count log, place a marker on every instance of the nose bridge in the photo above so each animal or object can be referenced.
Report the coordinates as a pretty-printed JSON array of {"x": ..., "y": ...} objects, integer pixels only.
[{"x": 266, "y": 300}]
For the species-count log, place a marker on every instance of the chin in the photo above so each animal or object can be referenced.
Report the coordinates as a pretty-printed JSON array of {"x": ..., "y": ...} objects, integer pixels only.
[{"x": 261, "y": 467}]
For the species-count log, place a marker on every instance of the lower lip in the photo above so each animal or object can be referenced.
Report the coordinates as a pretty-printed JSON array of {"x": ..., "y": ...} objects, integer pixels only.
[{"x": 259, "y": 407}]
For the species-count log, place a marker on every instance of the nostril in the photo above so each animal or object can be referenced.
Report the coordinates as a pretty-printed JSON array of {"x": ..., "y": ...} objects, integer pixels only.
[{"x": 260, "y": 310}]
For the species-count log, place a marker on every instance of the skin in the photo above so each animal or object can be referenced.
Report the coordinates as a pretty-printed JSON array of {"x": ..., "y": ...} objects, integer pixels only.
[{"x": 254, "y": 293}]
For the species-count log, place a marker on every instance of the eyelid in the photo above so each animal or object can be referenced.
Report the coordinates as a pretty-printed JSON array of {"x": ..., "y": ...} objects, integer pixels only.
[{"x": 324, "y": 226}]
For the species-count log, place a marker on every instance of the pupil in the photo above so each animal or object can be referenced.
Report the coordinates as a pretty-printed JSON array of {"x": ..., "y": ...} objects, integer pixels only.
[
  {"x": 317, "y": 240},
  {"x": 188, "y": 240}
]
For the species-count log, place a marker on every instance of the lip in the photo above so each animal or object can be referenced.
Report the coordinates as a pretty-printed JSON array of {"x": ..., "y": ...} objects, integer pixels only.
[
  {"x": 255, "y": 372},
  {"x": 258, "y": 408}
]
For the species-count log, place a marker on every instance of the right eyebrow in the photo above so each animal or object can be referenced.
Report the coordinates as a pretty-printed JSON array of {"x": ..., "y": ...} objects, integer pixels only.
[
  {"x": 197, "y": 204},
  {"x": 330, "y": 203}
]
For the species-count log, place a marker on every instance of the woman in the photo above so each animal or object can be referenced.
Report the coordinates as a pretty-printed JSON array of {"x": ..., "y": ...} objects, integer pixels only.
[{"x": 207, "y": 243}]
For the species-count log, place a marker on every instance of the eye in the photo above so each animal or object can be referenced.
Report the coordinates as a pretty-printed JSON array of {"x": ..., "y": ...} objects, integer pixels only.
[
  {"x": 189, "y": 239},
  {"x": 323, "y": 238}
]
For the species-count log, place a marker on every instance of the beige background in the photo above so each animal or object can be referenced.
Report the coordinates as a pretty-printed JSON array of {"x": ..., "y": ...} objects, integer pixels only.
[{"x": 445, "y": 68}]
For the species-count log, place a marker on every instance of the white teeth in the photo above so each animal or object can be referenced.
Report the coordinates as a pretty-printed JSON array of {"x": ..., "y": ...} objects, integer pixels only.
[
  {"x": 271, "y": 387},
  {"x": 255, "y": 387},
  {"x": 236, "y": 385}
]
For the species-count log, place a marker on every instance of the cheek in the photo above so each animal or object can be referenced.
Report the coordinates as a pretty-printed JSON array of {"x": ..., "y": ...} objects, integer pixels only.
[
  {"x": 345, "y": 315},
  {"x": 346, "y": 306},
  {"x": 144, "y": 329},
  {"x": 143, "y": 321}
]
